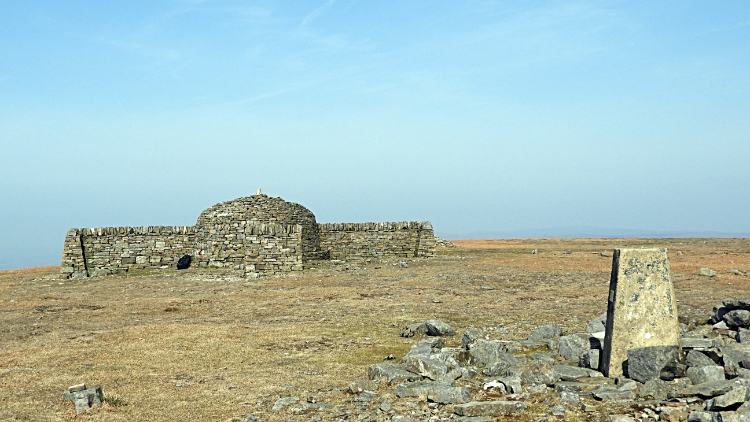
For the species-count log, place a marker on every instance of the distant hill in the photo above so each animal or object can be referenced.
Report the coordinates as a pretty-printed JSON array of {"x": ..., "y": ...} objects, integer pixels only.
[{"x": 585, "y": 232}]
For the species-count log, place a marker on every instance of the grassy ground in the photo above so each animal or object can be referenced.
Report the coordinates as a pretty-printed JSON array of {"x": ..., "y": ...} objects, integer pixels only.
[{"x": 205, "y": 345}]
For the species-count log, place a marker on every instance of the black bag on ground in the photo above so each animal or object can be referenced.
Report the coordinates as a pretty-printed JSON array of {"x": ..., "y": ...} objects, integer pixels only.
[{"x": 184, "y": 262}]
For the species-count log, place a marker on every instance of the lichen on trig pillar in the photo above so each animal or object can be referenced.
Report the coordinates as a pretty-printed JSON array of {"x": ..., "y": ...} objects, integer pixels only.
[{"x": 641, "y": 310}]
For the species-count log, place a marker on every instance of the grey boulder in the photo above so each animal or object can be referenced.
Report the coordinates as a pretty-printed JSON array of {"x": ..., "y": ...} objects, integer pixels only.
[
  {"x": 489, "y": 408},
  {"x": 545, "y": 332},
  {"x": 701, "y": 374},
  {"x": 435, "y": 327},
  {"x": 413, "y": 329},
  {"x": 392, "y": 373},
  {"x": 84, "y": 399},
  {"x": 486, "y": 352},
  {"x": 737, "y": 318},
  {"x": 589, "y": 359},
  {"x": 597, "y": 324},
  {"x": 572, "y": 346},
  {"x": 571, "y": 373},
  {"x": 651, "y": 362}
]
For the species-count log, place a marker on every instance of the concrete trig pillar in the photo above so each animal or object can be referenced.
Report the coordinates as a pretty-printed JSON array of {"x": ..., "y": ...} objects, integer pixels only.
[{"x": 641, "y": 310}]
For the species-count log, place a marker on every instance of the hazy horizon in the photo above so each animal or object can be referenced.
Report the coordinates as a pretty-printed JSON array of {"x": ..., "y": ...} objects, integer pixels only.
[{"x": 478, "y": 116}]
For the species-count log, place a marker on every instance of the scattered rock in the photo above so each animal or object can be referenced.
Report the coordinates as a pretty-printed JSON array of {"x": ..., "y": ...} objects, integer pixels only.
[
  {"x": 358, "y": 386},
  {"x": 696, "y": 358},
  {"x": 435, "y": 327},
  {"x": 470, "y": 337},
  {"x": 570, "y": 397},
  {"x": 706, "y": 272},
  {"x": 572, "y": 346},
  {"x": 620, "y": 418},
  {"x": 425, "y": 367},
  {"x": 486, "y": 352},
  {"x": 737, "y": 318},
  {"x": 647, "y": 363},
  {"x": 545, "y": 332},
  {"x": 413, "y": 329},
  {"x": 607, "y": 393},
  {"x": 449, "y": 395},
  {"x": 589, "y": 359},
  {"x": 696, "y": 343},
  {"x": 558, "y": 410},
  {"x": 366, "y": 396},
  {"x": 83, "y": 398},
  {"x": 731, "y": 399},
  {"x": 393, "y": 373},
  {"x": 283, "y": 402},
  {"x": 597, "y": 324},
  {"x": 503, "y": 362},
  {"x": 570, "y": 373},
  {"x": 701, "y": 374},
  {"x": 489, "y": 408},
  {"x": 533, "y": 372}
]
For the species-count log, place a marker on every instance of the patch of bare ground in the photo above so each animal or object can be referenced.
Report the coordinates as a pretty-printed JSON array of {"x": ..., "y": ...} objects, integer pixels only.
[{"x": 206, "y": 345}]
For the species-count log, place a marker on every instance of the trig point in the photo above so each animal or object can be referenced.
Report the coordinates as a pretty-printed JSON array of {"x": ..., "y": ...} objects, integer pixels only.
[{"x": 641, "y": 310}]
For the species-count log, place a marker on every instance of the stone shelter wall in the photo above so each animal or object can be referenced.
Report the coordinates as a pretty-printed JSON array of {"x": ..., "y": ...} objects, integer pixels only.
[
  {"x": 273, "y": 248},
  {"x": 256, "y": 234},
  {"x": 111, "y": 250},
  {"x": 221, "y": 229},
  {"x": 377, "y": 240}
]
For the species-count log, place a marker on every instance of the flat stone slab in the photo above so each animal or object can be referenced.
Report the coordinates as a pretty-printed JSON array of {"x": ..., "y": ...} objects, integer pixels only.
[
  {"x": 392, "y": 373},
  {"x": 570, "y": 373},
  {"x": 696, "y": 343},
  {"x": 705, "y": 390},
  {"x": 729, "y": 399},
  {"x": 416, "y": 388},
  {"x": 489, "y": 408},
  {"x": 449, "y": 395},
  {"x": 425, "y": 367},
  {"x": 606, "y": 393},
  {"x": 641, "y": 310}
]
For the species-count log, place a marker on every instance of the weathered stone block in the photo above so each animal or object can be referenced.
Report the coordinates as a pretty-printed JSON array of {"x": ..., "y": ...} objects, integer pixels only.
[
  {"x": 701, "y": 374},
  {"x": 489, "y": 408},
  {"x": 425, "y": 367},
  {"x": 84, "y": 399},
  {"x": 435, "y": 327},
  {"x": 589, "y": 359},
  {"x": 641, "y": 310},
  {"x": 651, "y": 362},
  {"x": 392, "y": 373},
  {"x": 486, "y": 351},
  {"x": 572, "y": 346},
  {"x": 544, "y": 332},
  {"x": 449, "y": 395}
]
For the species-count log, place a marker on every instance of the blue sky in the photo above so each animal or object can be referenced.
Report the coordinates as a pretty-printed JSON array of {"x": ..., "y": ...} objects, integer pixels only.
[{"x": 479, "y": 116}]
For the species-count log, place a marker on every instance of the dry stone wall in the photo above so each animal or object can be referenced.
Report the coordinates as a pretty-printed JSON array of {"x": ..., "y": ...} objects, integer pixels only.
[
  {"x": 111, "y": 250},
  {"x": 273, "y": 248},
  {"x": 256, "y": 234},
  {"x": 377, "y": 240}
]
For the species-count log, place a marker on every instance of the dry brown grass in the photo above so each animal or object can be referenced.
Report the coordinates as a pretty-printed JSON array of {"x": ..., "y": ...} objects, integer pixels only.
[{"x": 205, "y": 345}]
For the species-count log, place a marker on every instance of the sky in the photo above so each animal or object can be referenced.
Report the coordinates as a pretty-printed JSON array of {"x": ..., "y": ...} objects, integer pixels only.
[{"x": 479, "y": 116}]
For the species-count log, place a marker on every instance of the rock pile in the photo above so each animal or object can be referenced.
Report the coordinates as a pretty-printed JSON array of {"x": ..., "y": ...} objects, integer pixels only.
[
  {"x": 442, "y": 243},
  {"x": 84, "y": 398},
  {"x": 708, "y": 379}
]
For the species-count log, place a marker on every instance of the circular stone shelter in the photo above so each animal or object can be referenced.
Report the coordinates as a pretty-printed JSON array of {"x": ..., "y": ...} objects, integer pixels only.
[{"x": 255, "y": 231}]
